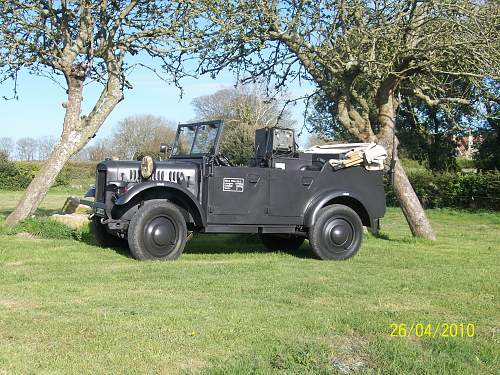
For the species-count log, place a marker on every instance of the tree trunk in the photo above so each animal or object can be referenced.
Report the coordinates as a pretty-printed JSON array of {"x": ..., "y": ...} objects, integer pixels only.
[
  {"x": 410, "y": 205},
  {"x": 71, "y": 141},
  {"x": 408, "y": 200}
]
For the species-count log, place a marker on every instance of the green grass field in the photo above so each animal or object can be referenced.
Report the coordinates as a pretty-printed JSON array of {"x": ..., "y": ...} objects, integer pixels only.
[{"x": 229, "y": 307}]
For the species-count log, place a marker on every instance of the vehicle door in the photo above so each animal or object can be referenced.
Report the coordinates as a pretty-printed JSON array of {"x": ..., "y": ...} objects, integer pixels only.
[
  {"x": 289, "y": 191},
  {"x": 237, "y": 195}
]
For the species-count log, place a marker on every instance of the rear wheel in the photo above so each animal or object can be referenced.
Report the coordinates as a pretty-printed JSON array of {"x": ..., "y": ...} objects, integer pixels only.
[
  {"x": 281, "y": 241},
  {"x": 157, "y": 231},
  {"x": 337, "y": 233}
]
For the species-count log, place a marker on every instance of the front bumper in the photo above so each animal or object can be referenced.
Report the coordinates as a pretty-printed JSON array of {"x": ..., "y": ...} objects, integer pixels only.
[{"x": 98, "y": 208}]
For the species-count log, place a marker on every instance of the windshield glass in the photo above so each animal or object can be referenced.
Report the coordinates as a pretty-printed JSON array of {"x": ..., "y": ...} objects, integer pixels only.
[
  {"x": 195, "y": 139},
  {"x": 184, "y": 141},
  {"x": 205, "y": 139}
]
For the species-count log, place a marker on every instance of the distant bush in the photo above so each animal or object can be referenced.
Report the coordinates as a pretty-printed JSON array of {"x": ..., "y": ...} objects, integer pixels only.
[
  {"x": 10, "y": 176},
  {"x": 78, "y": 170},
  {"x": 454, "y": 190},
  {"x": 17, "y": 175},
  {"x": 29, "y": 169}
]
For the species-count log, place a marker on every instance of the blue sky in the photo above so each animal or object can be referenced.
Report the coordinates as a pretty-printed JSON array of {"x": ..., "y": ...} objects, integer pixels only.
[{"x": 38, "y": 111}]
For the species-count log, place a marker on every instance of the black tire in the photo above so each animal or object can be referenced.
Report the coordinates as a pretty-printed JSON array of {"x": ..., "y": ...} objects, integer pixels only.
[
  {"x": 337, "y": 233},
  {"x": 275, "y": 242},
  {"x": 157, "y": 231},
  {"x": 102, "y": 237}
]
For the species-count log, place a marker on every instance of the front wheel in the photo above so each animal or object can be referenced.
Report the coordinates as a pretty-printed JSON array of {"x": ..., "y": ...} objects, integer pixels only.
[
  {"x": 157, "y": 231},
  {"x": 337, "y": 233}
]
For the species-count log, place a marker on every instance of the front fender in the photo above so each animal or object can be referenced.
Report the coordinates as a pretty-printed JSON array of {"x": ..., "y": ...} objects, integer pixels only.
[{"x": 170, "y": 188}]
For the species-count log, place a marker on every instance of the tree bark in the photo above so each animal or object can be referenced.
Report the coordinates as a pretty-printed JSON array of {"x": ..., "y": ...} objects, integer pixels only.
[
  {"x": 70, "y": 142},
  {"x": 410, "y": 205}
]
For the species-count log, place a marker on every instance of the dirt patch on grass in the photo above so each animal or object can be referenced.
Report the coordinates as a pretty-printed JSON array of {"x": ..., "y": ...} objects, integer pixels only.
[
  {"x": 350, "y": 356},
  {"x": 27, "y": 235},
  {"x": 14, "y": 264},
  {"x": 10, "y": 303},
  {"x": 191, "y": 365}
]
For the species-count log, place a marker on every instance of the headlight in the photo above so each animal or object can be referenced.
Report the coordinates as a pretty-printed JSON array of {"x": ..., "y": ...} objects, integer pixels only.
[{"x": 147, "y": 167}]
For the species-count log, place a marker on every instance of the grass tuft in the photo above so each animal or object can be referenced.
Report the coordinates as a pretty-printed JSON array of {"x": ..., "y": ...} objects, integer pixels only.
[{"x": 43, "y": 227}]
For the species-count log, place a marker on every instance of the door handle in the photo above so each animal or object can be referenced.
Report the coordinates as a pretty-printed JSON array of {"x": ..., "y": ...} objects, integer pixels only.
[
  {"x": 253, "y": 178},
  {"x": 307, "y": 181}
]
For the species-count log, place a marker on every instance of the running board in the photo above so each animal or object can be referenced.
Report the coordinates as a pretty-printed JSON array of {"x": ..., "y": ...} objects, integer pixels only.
[{"x": 231, "y": 228}]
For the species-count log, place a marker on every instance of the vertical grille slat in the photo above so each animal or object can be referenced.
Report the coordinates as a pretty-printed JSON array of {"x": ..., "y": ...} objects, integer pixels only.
[{"x": 100, "y": 186}]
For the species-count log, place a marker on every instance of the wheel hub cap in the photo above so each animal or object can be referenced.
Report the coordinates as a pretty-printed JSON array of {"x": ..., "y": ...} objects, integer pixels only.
[
  {"x": 160, "y": 235},
  {"x": 339, "y": 233}
]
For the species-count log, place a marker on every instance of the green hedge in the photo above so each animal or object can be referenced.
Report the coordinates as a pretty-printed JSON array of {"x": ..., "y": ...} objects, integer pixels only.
[
  {"x": 16, "y": 175},
  {"x": 454, "y": 190},
  {"x": 78, "y": 170}
]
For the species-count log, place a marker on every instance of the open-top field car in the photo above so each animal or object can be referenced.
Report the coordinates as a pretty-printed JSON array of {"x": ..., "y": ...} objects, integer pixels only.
[{"x": 325, "y": 194}]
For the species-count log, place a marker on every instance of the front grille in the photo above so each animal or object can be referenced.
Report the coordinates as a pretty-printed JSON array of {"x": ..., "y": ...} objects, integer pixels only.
[
  {"x": 100, "y": 186},
  {"x": 170, "y": 176}
]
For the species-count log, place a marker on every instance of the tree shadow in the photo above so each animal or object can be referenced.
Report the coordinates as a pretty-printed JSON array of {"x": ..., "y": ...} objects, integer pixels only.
[{"x": 39, "y": 212}]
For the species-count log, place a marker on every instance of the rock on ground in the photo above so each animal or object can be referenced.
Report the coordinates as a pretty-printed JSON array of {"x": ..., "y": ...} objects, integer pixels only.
[
  {"x": 72, "y": 206},
  {"x": 75, "y": 221}
]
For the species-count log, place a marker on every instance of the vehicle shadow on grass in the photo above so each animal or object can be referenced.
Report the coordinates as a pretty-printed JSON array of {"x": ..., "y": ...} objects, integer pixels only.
[
  {"x": 121, "y": 248},
  {"x": 234, "y": 243},
  {"x": 212, "y": 244}
]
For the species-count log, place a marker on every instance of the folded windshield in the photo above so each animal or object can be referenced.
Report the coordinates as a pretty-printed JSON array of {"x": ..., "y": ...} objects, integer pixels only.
[{"x": 196, "y": 139}]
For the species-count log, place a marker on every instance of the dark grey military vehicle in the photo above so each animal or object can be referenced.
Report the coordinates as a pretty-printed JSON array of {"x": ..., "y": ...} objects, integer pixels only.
[{"x": 284, "y": 196}]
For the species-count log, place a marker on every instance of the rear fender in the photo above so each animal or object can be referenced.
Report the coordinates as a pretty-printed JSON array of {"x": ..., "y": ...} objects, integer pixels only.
[{"x": 337, "y": 197}]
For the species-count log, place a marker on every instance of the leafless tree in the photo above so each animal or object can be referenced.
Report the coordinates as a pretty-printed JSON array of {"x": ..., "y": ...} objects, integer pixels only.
[
  {"x": 99, "y": 150},
  {"x": 82, "y": 41},
  {"x": 45, "y": 145},
  {"x": 7, "y": 146},
  {"x": 26, "y": 148},
  {"x": 243, "y": 110},
  {"x": 137, "y": 136},
  {"x": 360, "y": 55}
]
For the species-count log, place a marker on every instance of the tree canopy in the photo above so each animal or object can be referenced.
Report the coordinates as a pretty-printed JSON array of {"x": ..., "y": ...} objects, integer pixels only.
[
  {"x": 88, "y": 41},
  {"x": 360, "y": 55}
]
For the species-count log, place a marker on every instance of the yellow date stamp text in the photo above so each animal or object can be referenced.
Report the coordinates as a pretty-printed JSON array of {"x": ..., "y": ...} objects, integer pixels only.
[{"x": 439, "y": 329}]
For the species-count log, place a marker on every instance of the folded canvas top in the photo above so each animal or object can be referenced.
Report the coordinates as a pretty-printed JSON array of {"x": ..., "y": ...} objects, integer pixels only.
[
  {"x": 340, "y": 148},
  {"x": 375, "y": 153},
  {"x": 371, "y": 155}
]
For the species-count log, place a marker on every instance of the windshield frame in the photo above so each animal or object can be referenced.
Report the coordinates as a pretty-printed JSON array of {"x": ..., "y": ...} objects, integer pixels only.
[{"x": 218, "y": 124}]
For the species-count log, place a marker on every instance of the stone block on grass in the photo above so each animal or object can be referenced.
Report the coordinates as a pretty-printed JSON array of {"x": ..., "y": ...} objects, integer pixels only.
[{"x": 75, "y": 221}]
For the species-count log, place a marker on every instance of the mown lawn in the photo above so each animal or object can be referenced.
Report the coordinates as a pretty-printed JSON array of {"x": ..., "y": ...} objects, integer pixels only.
[{"x": 229, "y": 307}]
